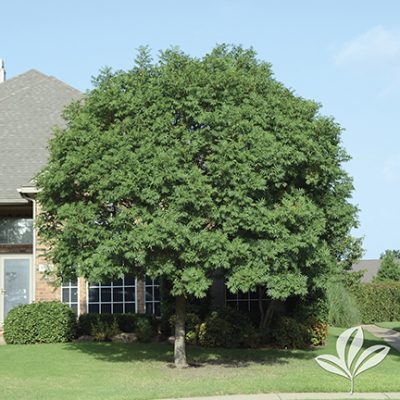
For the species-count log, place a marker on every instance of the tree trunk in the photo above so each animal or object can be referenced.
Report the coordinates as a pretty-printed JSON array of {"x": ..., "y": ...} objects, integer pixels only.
[{"x": 180, "y": 348}]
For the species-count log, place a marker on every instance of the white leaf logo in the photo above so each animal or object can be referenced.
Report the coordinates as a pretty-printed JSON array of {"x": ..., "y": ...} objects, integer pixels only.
[{"x": 348, "y": 346}]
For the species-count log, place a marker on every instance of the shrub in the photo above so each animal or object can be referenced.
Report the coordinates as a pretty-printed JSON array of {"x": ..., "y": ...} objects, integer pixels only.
[
  {"x": 343, "y": 310},
  {"x": 125, "y": 322},
  {"x": 246, "y": 335},
  {"x": 103, "y": 331},
  {"x": 216, "y": 332},
  {"x": 289, "y": 333},
  {"x": 379, "y": 301},
  {"x": 317, "y": 331},
  {"x": 87, "y": 321},
  {"x": 41, "y": 322},
  {"x": 228, "y": 328},
  {"x": 311, "y": 308},
  {"x": 144, "y": 331}
]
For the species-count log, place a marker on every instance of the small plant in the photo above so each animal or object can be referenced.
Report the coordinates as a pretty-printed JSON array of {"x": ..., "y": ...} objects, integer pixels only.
[
  {"x": 126, "y": 322},
  {"x": 144, "y": 330},
  {"x": 347, "y": 364},
  {"x": 102, "y": 331},
  {"x": 318, "y": 331}
]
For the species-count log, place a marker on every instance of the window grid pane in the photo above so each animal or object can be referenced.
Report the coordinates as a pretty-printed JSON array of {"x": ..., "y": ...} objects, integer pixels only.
[
  {"x": 152, "y": 296},
  {"x": 69, "y": 294},
  {"x": 242, "y": 301},
  {"x": 115, "y": 297}
]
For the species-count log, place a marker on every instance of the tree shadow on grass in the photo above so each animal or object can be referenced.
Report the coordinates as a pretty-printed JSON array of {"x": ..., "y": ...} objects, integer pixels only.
[
  {"x": 198, "y": 357},
  {"x": 202, "y": 357}
]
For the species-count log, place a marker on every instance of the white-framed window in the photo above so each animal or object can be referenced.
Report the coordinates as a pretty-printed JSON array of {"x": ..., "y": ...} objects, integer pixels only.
[
  {"x": 114, "y": 297},
  {"x": 70, "y": 294},
  {"x": 243, "y": 301},
  {"x": 152, "y": 297}
]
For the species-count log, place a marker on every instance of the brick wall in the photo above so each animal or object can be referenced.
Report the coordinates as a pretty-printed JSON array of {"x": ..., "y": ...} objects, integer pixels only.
[
  {"x": 46, "y": 288},
  {"x": 82, "y": 296},
  {"x": 16, "y": 249},
  {"x": 140, "y": 296}
]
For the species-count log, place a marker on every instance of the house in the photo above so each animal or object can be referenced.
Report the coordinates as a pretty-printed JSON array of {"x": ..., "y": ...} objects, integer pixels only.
[
  {"x": 31, "y": 104},
  {"x": 369, "y": 267}
]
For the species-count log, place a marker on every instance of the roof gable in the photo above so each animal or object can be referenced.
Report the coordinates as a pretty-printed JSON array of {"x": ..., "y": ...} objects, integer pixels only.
[{"x": 31, "y": 104}]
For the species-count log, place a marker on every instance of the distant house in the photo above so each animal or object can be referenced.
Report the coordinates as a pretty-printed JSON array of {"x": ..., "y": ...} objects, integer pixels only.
[{"x": 371, "y": 268}]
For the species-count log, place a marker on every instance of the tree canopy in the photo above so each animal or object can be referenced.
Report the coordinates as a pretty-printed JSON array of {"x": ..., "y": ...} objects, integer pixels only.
[
  {"x": 389, "y": 269},
  {"x": 179, "y": 167}
]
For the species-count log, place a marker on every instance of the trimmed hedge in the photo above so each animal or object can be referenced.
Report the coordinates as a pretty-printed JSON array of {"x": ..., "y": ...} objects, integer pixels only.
[
  {"x": 41, "y": 322},
  {"x": 378, "y": 302},
  {"x": 129, "y": 323}
]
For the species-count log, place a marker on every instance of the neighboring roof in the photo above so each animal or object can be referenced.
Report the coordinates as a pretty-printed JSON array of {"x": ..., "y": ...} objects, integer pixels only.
[
  {"x": 31, "y": 104},
  {"x": 371, "y": 267}
]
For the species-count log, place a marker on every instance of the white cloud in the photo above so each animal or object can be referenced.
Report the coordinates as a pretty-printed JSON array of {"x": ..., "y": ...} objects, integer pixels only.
[
  {"x": 375, "y": 48},
  {"x": 375, "y": 55}
]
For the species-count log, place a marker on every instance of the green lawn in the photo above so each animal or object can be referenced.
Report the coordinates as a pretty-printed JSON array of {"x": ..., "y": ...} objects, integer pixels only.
[
  {"x": 391, "y": 325},
  {"x": 144, "y": 371}
]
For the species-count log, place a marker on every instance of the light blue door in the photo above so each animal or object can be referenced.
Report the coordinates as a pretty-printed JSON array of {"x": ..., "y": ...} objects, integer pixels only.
[{"x": 15, "y": 281}]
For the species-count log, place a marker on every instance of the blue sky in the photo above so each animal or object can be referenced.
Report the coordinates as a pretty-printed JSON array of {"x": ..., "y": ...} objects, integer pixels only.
[{"x": 343, "y": 54}]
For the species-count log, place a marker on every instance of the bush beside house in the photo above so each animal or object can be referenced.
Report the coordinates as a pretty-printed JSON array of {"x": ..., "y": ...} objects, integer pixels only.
[
  {"x": 230, "y": 328},
  {"x": 41, "y": 322},
  {"x": 104, "y": 326},
  {"x": 50, "y": 322}
]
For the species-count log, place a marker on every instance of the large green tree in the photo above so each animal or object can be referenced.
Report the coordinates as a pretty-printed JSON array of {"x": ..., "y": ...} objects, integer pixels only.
[{"x": 183, "y": 166}]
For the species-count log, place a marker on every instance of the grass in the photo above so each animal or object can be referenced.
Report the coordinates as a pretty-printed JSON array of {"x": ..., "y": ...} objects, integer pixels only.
[
  {"x": 391, "y": 325},
  {"x": 144, "y": 371}
]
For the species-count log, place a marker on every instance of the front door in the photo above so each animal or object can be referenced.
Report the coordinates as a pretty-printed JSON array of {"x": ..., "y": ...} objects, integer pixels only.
[{"x": 15, "y": 283}]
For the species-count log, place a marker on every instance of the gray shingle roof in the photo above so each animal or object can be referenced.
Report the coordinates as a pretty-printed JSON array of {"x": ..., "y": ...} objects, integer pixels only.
[
  {"x": 371, "y": 267},
  {"x": 30, "y": 106}
]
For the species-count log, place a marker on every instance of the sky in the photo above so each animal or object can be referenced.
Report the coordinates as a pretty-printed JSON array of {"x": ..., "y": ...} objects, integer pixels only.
[{"x": 342, "y": 54}]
